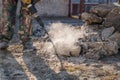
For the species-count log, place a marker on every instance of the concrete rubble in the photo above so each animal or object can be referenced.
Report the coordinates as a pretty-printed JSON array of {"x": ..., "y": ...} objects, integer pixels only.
[{"x": 101, "y": 38}]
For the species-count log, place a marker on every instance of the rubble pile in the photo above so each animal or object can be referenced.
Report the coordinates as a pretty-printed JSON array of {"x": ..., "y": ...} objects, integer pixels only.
[
  {"x": 101, "y": 31},
  {"x": 99, "y": 36}
]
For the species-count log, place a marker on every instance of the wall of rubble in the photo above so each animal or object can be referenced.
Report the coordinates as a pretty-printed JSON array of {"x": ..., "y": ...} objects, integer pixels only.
[
  {"x": 53, "y": 7},
  {"x": 101, "y": 31}
]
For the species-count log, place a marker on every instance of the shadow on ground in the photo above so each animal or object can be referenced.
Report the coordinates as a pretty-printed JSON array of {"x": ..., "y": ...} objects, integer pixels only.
[
  {"x": 12, "y": 70},
  {"x": 39, "y": 68}
]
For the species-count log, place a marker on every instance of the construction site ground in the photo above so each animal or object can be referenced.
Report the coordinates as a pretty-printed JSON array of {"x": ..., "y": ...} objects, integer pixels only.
[{"x": 39, "y": 65}]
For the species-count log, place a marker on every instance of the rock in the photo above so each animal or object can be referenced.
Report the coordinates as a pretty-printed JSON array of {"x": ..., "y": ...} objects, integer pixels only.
[
  {"x": 113, "y": 19},
  {"x": 77, "y": 60},
  {"x": 91, "y": 33},
  {"x": 96, "y": 50},
  {"x": 68, "y": 50},
  {"x": 39, "y": 32},
  {"x": 115, "y": 37},
  {"x": 93, "y": 37},
  {"x": 18, "y": 73},
  {"x": 107, "y": 32},
  {"x": 111, "y": 48},
  {"x": 2, "y": 75},
  {"x": 90, "y": 18},
  {"x": 101, "y": 10},
  {"x": 3, "y": 45},
  {"x": 100, "y": 37},
  {"x": 90, "y": 28}
]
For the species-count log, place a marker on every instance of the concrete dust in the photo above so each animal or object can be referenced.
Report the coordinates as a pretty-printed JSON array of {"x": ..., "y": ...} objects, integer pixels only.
[
  {"x": 65, "y": 38},
  {"x": 64, "y": 33}
]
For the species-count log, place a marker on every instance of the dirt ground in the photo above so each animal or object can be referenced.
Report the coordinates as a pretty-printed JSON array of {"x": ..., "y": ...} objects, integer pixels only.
[
  {"x": 44, "y": 65},
  {"x": 39, "y": 65}
]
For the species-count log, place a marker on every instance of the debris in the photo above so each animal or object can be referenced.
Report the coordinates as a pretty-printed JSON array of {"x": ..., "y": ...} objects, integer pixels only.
[
  {"x": 102, "y": 10},
  {"x": 90, "y": 18},
  {"x": 101, "y": 39},
  {"x": 113, "y": 18},
  {"x": 107, "y": 32}
]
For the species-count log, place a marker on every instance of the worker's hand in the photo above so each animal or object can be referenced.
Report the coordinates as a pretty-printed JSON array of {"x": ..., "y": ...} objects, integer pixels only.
[{"x": 26, "y": 1}]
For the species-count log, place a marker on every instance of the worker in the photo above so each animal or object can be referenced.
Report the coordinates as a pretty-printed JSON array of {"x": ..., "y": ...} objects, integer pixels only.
[{"x": 9, "y": 8}]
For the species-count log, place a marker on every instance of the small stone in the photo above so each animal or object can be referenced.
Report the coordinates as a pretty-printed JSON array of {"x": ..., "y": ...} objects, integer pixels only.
[
  {"x": 85, "y": 79},
  {"x": 89, "y": 18},
  {"x": 68, "y": 50},
  {"x": 115, "y": 37},
  {"x": 107, "y": 32},
  {"x": 3, "y": 45},
  {"x": 18, "y": 73}
]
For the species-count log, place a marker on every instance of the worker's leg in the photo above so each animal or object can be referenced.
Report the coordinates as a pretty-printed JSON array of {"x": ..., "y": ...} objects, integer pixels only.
[
  {"x": 25, "y": 29},
  {"x": 8, "y": 21}
]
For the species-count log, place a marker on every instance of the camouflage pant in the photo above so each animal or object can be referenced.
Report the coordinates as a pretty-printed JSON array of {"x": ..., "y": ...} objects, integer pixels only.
[{"x": 8, "y": 21}]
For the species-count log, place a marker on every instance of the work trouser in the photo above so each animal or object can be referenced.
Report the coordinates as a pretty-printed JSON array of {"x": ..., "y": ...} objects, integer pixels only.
[{"x": 9, "y": 8}]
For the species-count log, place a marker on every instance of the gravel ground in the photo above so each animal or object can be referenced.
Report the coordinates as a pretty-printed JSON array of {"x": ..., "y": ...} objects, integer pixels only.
[
  {"x": 39, "y": 65},
  {"x": 42, "y": 64}
]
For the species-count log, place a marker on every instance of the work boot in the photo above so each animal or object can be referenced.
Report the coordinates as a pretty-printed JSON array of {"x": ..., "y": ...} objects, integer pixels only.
[
  {"x": 28, "y": 46},
  {"x": 3, "y": 45}
]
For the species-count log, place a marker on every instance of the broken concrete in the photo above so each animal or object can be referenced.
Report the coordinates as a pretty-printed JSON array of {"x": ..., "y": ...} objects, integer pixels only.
[
  {"x": 102, "y": 10},
  {"x": 96, "y": 44},
  {"x": 90, "y": 18},
  {"x": 115, "y": 37},
  {"x": 101, "y": 39},
  {"x": 107, "y": 32},
  {"x": 113, "y": 19}
]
